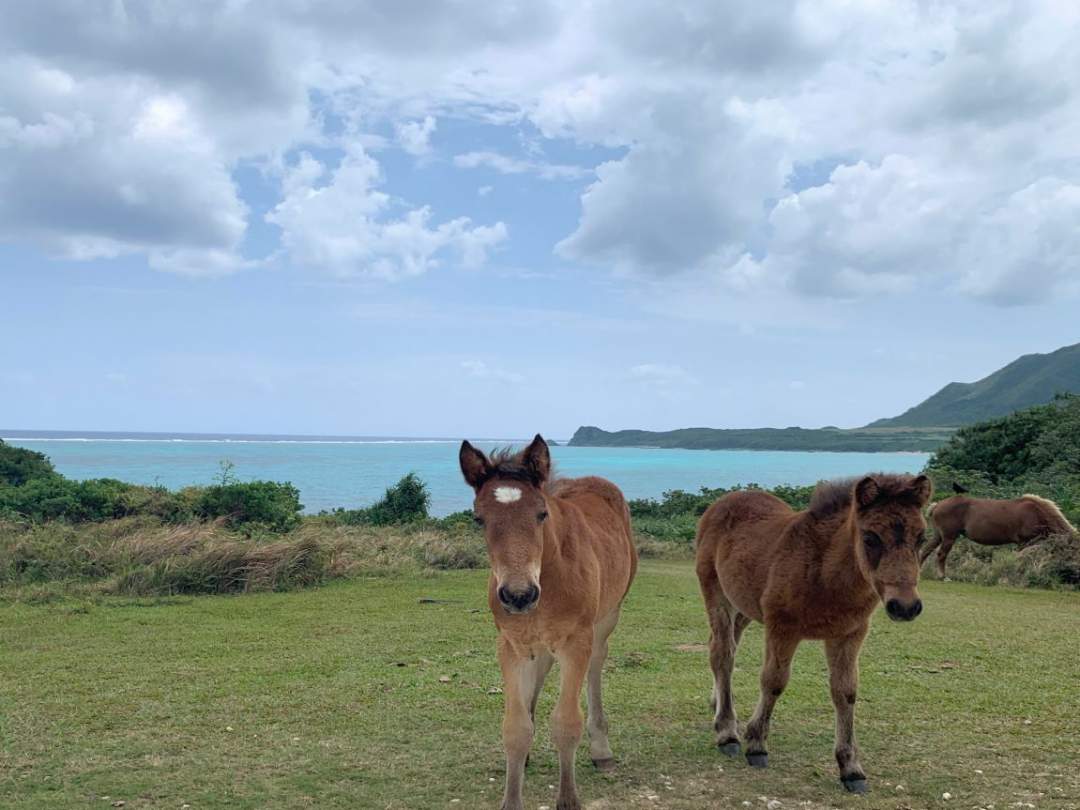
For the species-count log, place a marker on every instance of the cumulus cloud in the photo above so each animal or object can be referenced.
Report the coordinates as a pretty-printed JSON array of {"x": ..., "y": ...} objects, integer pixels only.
[
  {"x": 505, "y": 164},
  {"x": 91, "y": 170},
  {"x": 415, "y": 136},
  {"x": 939, "y": 115},
  {"x": 1026, "y": 249},
  {"x": 946, "y": 131},
  {"x": 869, "y": 229},
  {"x": 339, "y": 220}
]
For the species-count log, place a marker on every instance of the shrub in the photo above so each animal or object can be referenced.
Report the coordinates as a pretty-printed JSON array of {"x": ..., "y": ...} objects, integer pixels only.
[
  {"x": 1050, "y": 563},
  {"x": 675, "y": 502},
  {"x": 252, "y": 504},
  {"x": 1043, "y": 441},
  {"x": 675, "y": 515},
  {"x": 97, "y": 499},
  {"x": 19, "y": 465},
  {"x": 405, "y": 502}
]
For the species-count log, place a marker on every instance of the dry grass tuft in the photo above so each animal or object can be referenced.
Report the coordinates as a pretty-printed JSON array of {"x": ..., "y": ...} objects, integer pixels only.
[
  {"x": 1050, "y": 563},
  {"x": 140, "y": 557}
]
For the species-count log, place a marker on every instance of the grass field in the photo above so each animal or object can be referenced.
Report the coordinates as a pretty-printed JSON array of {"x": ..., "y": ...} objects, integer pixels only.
[{"x": 361, "y": 695}]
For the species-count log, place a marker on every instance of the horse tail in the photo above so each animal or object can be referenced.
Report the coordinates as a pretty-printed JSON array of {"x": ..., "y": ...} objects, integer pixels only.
[{"x": 1063, "y": 526}]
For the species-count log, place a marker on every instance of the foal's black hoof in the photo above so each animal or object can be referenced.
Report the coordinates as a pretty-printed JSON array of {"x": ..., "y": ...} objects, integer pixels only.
[
  {"x": 857, "y": 785},
  {"x": 759, "y": 760},
  {"x": 730, "y": 748}
]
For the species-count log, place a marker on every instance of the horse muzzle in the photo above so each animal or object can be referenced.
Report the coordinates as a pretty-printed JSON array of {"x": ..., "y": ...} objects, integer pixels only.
[
  {"x": 903, "y": 611},
  {"x": 518, "y": 600}
]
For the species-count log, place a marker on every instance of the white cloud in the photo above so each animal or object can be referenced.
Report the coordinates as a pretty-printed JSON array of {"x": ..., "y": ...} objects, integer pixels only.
[
  {"x": 89, "y": 169},
  {"x": 415, "y": 136},
  {"x": 843, "y": 238},
  {"x": 952, "y": 127},
  {"x": 504, "y": 164},
  {"x": 338, "y": 220},
  {"x": 1027, "y": 249}
]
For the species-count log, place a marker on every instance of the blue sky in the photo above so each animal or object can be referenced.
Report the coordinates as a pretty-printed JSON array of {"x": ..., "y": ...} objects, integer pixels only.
[{"x": 319, "y": 217}]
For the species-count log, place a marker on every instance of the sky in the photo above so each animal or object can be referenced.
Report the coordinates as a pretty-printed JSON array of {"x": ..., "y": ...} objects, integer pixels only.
[{"x": 466, "y": 219}]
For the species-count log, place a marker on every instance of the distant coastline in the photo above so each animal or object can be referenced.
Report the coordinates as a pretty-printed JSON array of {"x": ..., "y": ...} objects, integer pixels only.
[{"x": 828, "y": 439}]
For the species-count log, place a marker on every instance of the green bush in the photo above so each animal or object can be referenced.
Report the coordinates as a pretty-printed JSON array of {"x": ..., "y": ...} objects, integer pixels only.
[
  {"x": 270, "y": 505},
  {"x": 675, "y": 502},
  {"x": 405, "y": 502},
  {"x": 675, "y": 515},
  {"x": 465, "y": 519},
  {"x": 18, "y": 465},
  {"x": 1041, "y": 442},
  {"x": 97, "y": 499}
]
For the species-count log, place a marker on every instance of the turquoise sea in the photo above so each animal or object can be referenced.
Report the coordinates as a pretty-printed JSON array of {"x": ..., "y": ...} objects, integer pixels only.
[{"x": 333, "y": 471}]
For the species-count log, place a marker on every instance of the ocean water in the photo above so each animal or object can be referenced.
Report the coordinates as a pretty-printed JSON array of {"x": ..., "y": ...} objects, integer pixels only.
[{"x": 332, "y": 472}]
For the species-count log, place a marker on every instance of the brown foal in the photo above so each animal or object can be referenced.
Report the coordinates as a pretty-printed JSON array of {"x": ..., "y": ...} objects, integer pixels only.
[
  {"x": 816, "y": 574},
  {"x": 562, "y": 559}
]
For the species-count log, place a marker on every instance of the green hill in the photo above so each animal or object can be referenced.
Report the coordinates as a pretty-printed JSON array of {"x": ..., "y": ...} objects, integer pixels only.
[
  {"x": 793, "y": 438},
  {"x": 1033, "y": 379}
]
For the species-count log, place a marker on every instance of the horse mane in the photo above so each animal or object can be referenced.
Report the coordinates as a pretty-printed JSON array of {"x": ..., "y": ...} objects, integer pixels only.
[
  {"x": 506, "y": 462},
  {"x": 1052, "y": 508},
  {"x": 833, "y": 497}
]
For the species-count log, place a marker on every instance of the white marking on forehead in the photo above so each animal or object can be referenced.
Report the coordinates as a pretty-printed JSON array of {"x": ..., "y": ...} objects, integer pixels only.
[{"x": 507, "y": 494}]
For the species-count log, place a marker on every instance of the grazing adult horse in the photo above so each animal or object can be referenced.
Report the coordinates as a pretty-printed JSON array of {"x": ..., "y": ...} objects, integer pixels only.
[
  {"x": 816, "y": 574},
  {"x": 562, "y": 559},
  {"x": 991, "y": 522}
]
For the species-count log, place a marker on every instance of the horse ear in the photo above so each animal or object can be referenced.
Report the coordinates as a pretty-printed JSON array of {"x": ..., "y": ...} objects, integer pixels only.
[
  {"x": 474, "y": 465},
  {"x": 959, "y": 490},
  {"x": 866, "y": 491},
  {"x": 923, "y": 488},
  {"x": 537, "y": 459}
]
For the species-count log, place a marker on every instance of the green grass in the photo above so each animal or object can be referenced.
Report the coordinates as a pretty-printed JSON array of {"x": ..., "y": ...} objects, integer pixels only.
[{"x": 331, "y": 697}]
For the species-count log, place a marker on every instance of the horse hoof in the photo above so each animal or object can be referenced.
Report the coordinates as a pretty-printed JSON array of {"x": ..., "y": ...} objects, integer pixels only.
[
  {"x": 730, "y": 748},
  {"x": 604, "y": 765},
  {"x": 759, "y": 760},
  {"x": 858, "y": 785}
]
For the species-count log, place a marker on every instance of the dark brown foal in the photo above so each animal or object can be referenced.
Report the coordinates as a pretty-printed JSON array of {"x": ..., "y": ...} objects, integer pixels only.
[{"x": 816, "y": 574}]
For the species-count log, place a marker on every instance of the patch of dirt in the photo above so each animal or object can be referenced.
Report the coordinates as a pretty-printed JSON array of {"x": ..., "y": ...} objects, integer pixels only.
[{"x": 691, "y": 648}]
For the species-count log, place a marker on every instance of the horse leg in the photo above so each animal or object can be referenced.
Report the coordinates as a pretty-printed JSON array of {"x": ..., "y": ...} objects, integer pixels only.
[
  {"x": 722, "y": 647},
  {"x": 779, "y": 650},
  {"x": 566, "y": 722},
  {"x": 947, "y": 541},
  {"x": 517, "y": 725},
  {"x": 843, "y": 658},
  {"x": 599, "y": 747},
  {"x": 726, "y": 630},
  {"x": 539, "y": 668}
]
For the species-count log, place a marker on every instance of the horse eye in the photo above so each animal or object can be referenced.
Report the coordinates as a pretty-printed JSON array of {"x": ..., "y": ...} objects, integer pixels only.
[
  {"x": 479, "y": 521},
  {"x": 541, "y": 517},
  {"x": 872, "y": 540}
]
